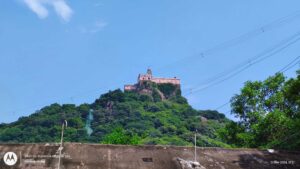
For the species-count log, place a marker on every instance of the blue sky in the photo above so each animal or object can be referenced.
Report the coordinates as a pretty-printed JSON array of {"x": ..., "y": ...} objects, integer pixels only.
[{"x": 73, "y": 51}]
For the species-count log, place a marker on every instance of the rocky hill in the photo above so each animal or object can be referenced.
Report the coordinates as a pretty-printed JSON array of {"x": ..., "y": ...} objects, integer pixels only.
[{"x": 155, "y": 114}]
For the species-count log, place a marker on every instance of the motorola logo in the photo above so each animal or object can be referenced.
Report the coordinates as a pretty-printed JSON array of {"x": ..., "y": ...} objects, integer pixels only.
[{"x": 10, "y": 158}]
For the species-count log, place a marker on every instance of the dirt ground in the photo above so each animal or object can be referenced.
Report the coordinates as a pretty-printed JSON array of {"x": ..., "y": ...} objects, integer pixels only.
[{"x": 96, "y": 156}]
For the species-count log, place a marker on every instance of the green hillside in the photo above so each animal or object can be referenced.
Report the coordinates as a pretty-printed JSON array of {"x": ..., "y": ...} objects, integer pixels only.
[
  {"x": 119, "y": 117},
  {"x": 268, "y": 112}
]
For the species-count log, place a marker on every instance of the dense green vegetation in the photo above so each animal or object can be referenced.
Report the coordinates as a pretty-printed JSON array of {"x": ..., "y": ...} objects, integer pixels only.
[
  {"x": 269, "y": 113},
  {"x": 122, "y": 118}
]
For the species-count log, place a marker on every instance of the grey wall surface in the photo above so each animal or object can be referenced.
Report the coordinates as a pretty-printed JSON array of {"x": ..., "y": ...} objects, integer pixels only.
[{"x": 96, "y": 156}]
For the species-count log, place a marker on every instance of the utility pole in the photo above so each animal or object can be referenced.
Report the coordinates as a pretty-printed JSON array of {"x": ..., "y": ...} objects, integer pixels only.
[
  {"x": 64, "y": 125},
  {"x": 196, "y": 146}
]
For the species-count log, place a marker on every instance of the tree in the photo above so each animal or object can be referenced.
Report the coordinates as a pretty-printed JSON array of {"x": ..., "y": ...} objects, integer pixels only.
[
  {"x": 292, "y": 95},
  {"x": 118, "y": 136},
  {"x": 268, "y": 113},
  {"x": 258, "y": 99}
]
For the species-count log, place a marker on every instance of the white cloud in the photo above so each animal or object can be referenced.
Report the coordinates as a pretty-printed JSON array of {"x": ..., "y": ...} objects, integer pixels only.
[
  {"x": 62, "y": 9},
  {"x": 60, "y": 6},
  {"x": 37, "y": 7}
]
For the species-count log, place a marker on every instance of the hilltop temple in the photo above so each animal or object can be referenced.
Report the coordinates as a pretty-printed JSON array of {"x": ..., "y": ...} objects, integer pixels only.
[{"x": 149, "y": 77}]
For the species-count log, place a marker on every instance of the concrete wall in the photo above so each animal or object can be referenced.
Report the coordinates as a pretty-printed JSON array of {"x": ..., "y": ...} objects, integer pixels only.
[{"x": 95, "y": 156}]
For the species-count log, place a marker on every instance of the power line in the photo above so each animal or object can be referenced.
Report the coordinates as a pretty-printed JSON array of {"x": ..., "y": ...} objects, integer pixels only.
[
  {"x": 284, "y": 69},
  {"x": 232, "y": 69},
  {"x": 238, "y": 72},
  {"x": 226, "y": 44},
  {"x": 223, "y": 105},
  {"x": 249, "y": 63},
  {"x": 242, "y": 38},
  {"x": 290, "y": 65}
]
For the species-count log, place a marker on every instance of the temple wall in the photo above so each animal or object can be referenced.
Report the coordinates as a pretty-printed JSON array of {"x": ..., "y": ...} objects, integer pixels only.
[{"x": 166, "y": 80}]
